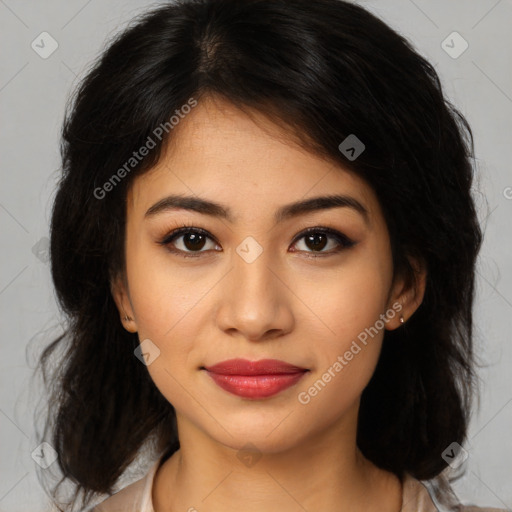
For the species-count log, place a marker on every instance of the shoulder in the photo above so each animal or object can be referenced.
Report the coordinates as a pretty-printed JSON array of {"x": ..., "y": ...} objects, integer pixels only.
[
  {"x": 434, "y": 495},
  {"x": 127, "y": 499},
  {"x": 135, "y": 497},
  {"x": 485, "y": 509}
]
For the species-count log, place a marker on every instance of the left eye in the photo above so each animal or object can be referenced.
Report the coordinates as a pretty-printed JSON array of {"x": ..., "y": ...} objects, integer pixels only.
[
  {"x": 192, "y": 240},
  {"x": 318, "y": 238}
]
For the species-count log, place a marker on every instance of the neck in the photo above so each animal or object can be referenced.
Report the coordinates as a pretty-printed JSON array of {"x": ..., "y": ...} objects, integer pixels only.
[{"x": 327, "y": 473}]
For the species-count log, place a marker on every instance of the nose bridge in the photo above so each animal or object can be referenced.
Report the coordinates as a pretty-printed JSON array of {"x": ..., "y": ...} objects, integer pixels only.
[{"x": 252, "y": 276}]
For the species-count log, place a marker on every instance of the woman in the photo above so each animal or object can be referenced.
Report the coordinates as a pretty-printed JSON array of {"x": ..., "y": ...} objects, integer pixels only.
[{"x": 265, "y": 243}]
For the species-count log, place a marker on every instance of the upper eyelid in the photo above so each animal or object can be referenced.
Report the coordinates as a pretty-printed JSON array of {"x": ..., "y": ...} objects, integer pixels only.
[{"x": 332, "y": 232}]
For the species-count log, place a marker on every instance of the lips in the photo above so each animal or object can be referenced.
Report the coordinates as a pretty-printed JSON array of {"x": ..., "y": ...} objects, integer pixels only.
[{"x": 255, "y": 379}]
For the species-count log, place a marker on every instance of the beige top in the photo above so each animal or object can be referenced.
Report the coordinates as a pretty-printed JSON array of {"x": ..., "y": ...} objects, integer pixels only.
[{"x": 418, "y": 496}]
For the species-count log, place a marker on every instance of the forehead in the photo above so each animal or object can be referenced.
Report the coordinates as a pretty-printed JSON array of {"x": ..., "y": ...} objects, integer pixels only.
[{"x": 217, "y": 151}]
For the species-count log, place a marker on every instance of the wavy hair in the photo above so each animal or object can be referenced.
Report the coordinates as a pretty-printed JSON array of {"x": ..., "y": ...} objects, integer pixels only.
[{"x": 324, "y": 70}]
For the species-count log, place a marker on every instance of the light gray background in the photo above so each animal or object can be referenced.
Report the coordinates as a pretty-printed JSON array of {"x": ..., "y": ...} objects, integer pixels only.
[{"x": 32, "y": 97}]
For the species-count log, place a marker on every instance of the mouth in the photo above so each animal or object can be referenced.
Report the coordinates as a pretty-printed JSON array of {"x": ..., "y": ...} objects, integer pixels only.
[{"x": 255, "y": 379}]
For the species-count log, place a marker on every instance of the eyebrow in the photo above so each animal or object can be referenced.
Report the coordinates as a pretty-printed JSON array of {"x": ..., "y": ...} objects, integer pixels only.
[{"x": 285, "y": 212}]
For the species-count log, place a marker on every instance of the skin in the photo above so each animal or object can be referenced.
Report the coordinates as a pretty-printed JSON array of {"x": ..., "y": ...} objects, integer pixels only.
[{"x": 284, "y": 305}]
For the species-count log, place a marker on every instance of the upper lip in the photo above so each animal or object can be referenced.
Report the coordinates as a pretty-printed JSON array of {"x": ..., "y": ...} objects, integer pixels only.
[{"x": 261, "y": 367}]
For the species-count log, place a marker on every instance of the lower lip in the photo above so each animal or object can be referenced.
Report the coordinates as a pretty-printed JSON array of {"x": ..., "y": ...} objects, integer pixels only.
[{"x": 256, "y": 386}]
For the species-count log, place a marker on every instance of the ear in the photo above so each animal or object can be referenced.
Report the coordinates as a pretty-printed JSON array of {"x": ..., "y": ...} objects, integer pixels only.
[
  {"x": 408, "y": 293},
  {"x": 119, "y": 290}
]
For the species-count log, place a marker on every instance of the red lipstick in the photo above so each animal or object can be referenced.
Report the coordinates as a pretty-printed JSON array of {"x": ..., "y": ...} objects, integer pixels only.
[{"x": 255, "y": 379}]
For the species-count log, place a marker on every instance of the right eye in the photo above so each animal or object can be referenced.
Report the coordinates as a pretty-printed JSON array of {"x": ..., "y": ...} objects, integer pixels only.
[{"x": 191, "y": 239}]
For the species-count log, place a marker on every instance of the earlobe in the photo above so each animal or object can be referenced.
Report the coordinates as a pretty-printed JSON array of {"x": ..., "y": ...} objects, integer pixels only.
[
  {"x": 119, "y": 293},
  {"x": 408, "y": 295}
]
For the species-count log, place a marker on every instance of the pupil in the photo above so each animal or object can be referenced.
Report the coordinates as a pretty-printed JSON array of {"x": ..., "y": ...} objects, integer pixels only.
[
  {"x": 317, "y": 239},
  {"x": 194, "y": 241}
]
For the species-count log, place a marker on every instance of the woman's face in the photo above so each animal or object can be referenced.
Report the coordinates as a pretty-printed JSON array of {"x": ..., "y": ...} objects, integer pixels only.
[{"x": 255, "y": 287}]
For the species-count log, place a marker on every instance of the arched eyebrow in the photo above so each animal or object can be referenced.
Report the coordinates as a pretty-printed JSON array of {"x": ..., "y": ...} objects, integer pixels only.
[{"x": 206, "y": 207}]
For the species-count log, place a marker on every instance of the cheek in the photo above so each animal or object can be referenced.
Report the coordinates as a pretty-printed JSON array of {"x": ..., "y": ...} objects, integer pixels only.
[
  {"x": 169, "y": 306},
  {"x": 163, "y": 302},
  {"x": 349, "y": 333},
  {"x": 348, "y": 301},
  {"x": 345, "y": 360},
  {"x": 161, "y": 293}
]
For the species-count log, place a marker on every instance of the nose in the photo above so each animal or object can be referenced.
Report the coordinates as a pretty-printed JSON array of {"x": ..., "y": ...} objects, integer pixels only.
[{"x": 255, "y": 300}]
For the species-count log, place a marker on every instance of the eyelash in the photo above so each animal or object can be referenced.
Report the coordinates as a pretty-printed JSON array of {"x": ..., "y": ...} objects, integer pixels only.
[{"x": 342, "y": 239}]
